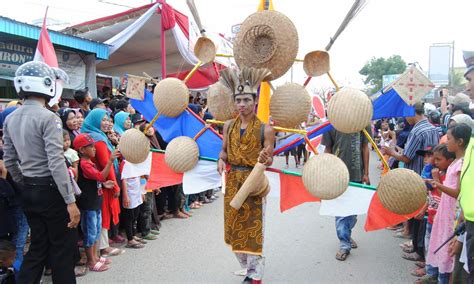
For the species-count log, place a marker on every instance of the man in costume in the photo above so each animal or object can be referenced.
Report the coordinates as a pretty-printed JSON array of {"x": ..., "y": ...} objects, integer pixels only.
[
  {"x": 246, "y": 141},
  {"x": 466, "y": 197}
]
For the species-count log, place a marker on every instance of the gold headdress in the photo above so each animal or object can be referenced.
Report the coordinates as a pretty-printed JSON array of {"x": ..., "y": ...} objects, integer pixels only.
[{"x": 245, "y": 81}]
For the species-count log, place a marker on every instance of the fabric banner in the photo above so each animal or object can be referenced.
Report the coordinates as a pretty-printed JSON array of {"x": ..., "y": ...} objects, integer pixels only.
[
  {"x": 378, "y": 217},
  {"x": 121, "y": 38},
  {"x": 354, "y": 201},
  {"x": 203, "y": 177},
  {"x": 161, "y": 175},
  {"x": 134, "y": 170}
]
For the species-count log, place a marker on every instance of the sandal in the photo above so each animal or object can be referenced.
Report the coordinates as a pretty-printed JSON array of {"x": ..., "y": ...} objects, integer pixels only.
[
  {"x": 180, "y": 215},
  {"x": 412, "y": 256},
  {"x": 419, "y": 272},
  {"x": 135, "y": 246},
  {"x": 105, "y": 261},
  {"x": 155, "y": 232},
  {"x": 427, "y": 279},
  {"x": 407, "y": 249},
  {"x": 401, "y": 236},
  {"x": 99, "y": 267},
  {"x": 150, "y": 237},
  {"x": 80, "y": 271},
  {"x": 353, "y": 244},
  {"x": 342, "y": 254},
  {"x": 113, "y": 252},
  {"x": 420, "y": 264},
  {"x": 140, "y": 240}
]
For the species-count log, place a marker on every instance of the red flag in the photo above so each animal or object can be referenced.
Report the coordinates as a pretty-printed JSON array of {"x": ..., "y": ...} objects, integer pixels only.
[
  {"x": 378, "y": 217},
  {"x": 293, "y": 192},
  {"x": 161, "y": 175},
  {"x": 45, "y": 50}
]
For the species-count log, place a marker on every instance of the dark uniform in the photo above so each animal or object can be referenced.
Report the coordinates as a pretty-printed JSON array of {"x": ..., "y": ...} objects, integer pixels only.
[{"x": 33, "y": 154}]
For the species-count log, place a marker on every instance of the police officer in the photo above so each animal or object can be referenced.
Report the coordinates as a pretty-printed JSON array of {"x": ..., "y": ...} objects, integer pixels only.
[{"x": 33, "y": 154}]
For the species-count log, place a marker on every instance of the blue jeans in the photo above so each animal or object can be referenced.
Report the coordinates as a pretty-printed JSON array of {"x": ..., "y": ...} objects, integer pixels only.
[
  {"x": 344, "y": 226},
  {"x": 19, "y": 238},
  {"x": 91, "y": 225}
]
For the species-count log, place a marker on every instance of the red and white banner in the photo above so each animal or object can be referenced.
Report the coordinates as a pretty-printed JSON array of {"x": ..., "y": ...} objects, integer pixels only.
[{"x": 354, "y": 201}]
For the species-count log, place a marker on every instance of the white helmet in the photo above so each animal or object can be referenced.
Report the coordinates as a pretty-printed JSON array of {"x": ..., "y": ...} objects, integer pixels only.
[{"x": 38, "y": 78}]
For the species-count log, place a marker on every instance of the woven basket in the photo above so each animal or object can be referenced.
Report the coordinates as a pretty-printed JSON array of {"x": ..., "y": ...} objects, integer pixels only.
[
  {"x": 171, "y": 97},
  {"x": 316, "y": 63},
  {"x": 182, "y": 154},
  {"x": 252, "y": 185},
  {"x": 134, "y": 146},
  {"x": 220, "y": 101},
  {"x": 402, "y": 191},
  {"x": 325, "y": 176},
  {"x": 205, "y": 50},
  {"x": 290, "y": 105},
  {"x": 267, "y": 39},
  {"x": 350, "y": 110}
]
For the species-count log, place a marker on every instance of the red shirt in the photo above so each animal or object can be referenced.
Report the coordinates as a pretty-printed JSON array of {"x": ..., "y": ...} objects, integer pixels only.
[
  {"x": 90, "y": 171},
  {"x": 434, "y": 199}
]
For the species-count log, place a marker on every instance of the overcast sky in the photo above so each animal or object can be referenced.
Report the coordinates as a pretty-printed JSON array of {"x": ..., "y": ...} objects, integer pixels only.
[{"x": 382, "y": 29}]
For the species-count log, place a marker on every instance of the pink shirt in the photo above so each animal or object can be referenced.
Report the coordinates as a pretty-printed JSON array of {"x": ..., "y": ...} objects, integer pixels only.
[{"x": 443, "y": 225}]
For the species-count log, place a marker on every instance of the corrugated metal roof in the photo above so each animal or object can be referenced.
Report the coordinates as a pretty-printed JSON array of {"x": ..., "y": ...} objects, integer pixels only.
[{"x": 10, "y": 26}]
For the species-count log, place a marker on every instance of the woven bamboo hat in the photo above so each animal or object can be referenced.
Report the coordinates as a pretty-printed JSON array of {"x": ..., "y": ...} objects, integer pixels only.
[
  {"x": 402, "y": 191},
  {"x": 290, "y": 105},
  {"x": 350, "y": 110},
  {"x": 134, "y": 146},
  {"x": 325, "y": 176},
  {"x": 220, "y": 101},
  {"x": 316, "y": 63},
  {"x": 171, "y": 97},
  {"x": 267, "y": 39},
  {"x": 182, "y": 154}
]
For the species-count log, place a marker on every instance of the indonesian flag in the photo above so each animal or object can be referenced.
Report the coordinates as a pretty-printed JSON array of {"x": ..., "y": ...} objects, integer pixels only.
[{"x": 45, "y": 53}]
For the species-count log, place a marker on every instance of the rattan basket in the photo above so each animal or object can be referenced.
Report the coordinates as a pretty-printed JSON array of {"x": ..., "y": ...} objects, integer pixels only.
[
  {"x": 290, "y": 105},
  {"x": 402, "y": 191},
  {"x": 267, "y": 39},
  {"x": 134, "y": 146},
  {"x": 171, "y": 97},
  {"x": 316, "y": 63},
  {"x": 182, "y": 154},
  {"x": 325, "y": 176},
  {"x": 350, "y": 110},
  {"x": 220, "y": 101}
]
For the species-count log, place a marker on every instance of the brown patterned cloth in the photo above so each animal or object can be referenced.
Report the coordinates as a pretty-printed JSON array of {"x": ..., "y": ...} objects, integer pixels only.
[{"x": 243, "y": 228}]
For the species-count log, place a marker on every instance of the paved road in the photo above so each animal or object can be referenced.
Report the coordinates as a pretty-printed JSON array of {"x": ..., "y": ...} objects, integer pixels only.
[{"x": 299, "y": 245}]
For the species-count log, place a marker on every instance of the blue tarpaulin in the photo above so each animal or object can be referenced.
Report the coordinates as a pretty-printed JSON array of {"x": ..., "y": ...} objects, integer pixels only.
[{"x": 389, "y": 105}]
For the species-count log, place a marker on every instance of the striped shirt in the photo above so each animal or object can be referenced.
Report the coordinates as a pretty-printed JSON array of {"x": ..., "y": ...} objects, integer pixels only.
[{"x": 422, "y": 135}]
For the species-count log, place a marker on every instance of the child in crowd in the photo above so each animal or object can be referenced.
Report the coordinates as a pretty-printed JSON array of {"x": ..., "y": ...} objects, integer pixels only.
[
  {"x": 7, "y": 257},
  {"x": 91, "y": 181},
  {"x": 132, "y": 198},
  {"x": 443, "y": 226},
  {"x": 434, "y": 195}
]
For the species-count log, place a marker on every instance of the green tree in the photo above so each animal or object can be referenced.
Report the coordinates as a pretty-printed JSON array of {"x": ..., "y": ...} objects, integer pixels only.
[{"x": 376, "y": 68}]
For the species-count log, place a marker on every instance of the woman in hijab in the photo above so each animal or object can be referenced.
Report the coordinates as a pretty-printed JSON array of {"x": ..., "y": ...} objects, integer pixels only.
[
  {"x": 68, "y": 117},
  {"x": 122, "y": 122},
  {"x": 95, "y": 125}
]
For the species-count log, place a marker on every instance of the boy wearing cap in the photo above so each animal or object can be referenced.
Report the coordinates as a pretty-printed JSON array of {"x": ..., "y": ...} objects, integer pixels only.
[{"x": 89, "y": 202}]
